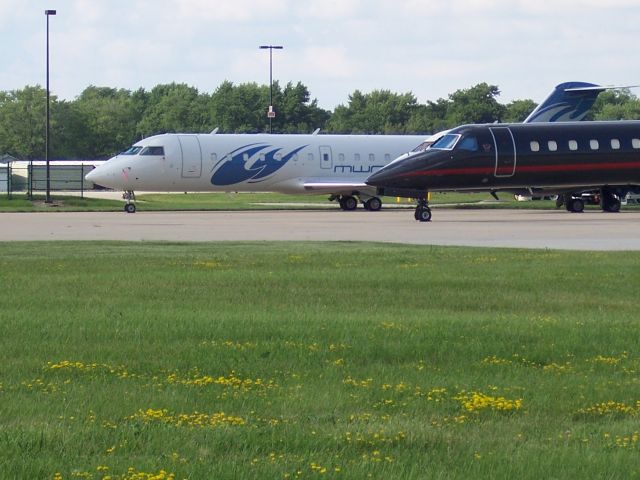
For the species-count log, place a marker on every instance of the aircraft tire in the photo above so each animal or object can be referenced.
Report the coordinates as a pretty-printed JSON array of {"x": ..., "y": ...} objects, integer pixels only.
[
  {"x": 576, "y": 205},
  {"x": 374, "y": 204},
  {"x": 423, "y": 214},
  {"x": 610, "y": 202},
  {"x": 349, "y": 203},
  {"x": 130, "y": 208},
  {"x": 615, "y": 206}
]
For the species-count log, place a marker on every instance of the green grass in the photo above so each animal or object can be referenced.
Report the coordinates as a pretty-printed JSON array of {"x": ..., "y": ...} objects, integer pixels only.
[
  {"x": 248, "y": 201},
  {"x": 310, "y": 360}
]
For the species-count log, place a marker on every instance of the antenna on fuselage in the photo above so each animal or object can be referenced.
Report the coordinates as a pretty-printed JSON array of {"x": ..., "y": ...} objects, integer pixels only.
[
  {"x": 316, "y": 131},
  {"x": 214, "y": 131}
]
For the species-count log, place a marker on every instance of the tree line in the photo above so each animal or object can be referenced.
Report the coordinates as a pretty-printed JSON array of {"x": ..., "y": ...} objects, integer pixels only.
[{"x": 102, "y": 121}]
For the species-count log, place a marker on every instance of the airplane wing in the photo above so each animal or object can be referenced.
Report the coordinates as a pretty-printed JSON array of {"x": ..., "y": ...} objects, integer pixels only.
[{"x": 332, "y": 185}]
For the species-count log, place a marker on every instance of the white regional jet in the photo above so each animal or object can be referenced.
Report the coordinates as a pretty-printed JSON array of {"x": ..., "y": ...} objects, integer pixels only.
[
  {"x": 337, "y": 165},
  {"x": 322, "y": 164}
]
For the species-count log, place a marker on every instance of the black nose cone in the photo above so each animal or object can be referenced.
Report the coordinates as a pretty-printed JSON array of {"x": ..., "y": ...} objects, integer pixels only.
[{"x": 396, "y": 173}]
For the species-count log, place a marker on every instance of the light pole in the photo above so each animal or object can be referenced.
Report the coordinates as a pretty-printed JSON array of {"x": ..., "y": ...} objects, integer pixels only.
[
  {"x": 47, "y": 13},
  {"x": 271, "y": 114}
]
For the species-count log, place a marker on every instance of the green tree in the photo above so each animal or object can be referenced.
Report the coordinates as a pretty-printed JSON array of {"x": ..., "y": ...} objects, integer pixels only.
[
  {"x": 518, "y": 110},
  {"x": 430, "y": 118},
  {"x": 241, "y": 108},
  {"x": 174, "y": 107},
  {"x": 619, "y": 104},
  {"x": 380, "y": 111},
  {"x": 477, "y": 104},
  {"x": 22, "y": 122},
  {"x": 296, "y": 112},
  {"x": 109, "y": 121}
]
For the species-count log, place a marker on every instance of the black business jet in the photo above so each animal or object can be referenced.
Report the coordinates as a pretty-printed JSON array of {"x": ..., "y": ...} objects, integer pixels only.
[{"x": 530, "y": 158}]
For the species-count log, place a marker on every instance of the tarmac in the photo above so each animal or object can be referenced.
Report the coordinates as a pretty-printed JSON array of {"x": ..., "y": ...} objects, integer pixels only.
[{"x": 541, "y": 229}]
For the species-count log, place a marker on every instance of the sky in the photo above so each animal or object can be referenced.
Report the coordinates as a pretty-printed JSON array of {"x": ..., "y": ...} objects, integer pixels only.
[{"x": 430, "y": 48}]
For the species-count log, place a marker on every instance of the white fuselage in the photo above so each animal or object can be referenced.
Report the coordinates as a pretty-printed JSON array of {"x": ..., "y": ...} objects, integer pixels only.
[{"x": 336, "y": 164}]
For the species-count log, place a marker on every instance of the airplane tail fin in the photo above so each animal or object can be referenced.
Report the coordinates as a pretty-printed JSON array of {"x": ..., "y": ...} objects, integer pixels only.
[{"x": 569, "y": 102}]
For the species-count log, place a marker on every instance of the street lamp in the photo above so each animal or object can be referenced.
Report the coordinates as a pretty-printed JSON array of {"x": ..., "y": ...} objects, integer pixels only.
[
  {"x": 271, "y": 114},
  {"x": 46, "y": 142}
]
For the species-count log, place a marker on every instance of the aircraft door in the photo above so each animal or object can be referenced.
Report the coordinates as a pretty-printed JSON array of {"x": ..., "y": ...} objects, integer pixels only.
[
  {"x": 505, "y": 151},
  {"x": 326, "y": 160},
  {"x": 191, "y": 156}
]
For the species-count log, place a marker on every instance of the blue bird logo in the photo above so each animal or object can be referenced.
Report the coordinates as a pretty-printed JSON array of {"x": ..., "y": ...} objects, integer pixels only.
[{"x": 252, "y": 163}]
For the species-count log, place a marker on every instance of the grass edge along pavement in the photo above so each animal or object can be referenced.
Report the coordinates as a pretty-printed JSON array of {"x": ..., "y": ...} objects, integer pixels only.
[
  {"x": 252, "y": 201},
  {"x": 303, "y": 360}
]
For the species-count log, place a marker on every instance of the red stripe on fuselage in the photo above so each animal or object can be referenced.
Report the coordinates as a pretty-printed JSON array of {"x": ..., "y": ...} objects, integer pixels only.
[{"x": 570, "y": 167}]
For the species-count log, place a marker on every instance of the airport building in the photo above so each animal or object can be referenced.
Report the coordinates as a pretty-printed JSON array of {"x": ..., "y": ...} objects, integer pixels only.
[{"x": 31, "y": 176}]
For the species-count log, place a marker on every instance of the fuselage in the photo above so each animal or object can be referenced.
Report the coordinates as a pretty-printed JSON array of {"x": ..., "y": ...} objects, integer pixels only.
[
  {"x": 558, "y": 157},
  {"x": 252, "y": 162}
]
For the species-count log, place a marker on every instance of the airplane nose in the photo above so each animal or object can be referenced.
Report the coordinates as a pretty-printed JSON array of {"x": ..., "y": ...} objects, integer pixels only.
[
  {"x": 388, "y": 175},
  {"x": 91, "y": 176},
  {"x": 98, "y": 176},
  {"x": 377, "y": 179}
]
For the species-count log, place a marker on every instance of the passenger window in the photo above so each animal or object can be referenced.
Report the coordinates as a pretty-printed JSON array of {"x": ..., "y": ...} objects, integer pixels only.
[
  {"x": 594, "y": 144},
  {"x": 372, "y": 157},
  {"x": 310, "y": 157},
  {"x": 573, "y": 145},
  {"x": 535, "y": 146},
  {"x": 635, "y": 142},
  {"x": 278, "y": 156},
  {"x": 615, "y": 144},
  {"x": 341, "y": 157},
  {"x": 470, "y": 144},
  {"x": 356, "y": 157},
  {"x": 387, "y": 157},
  {"x": 552, "y": 145}
]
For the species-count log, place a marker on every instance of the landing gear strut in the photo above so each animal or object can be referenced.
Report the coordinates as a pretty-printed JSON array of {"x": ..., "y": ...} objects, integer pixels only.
[
  {"x": 130, "y": 197},
  {"x": 423, "y": 212}
]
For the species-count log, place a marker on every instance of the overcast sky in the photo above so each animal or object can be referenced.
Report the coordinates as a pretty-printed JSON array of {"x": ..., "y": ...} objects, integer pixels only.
[{"x": 428, "y": 47}]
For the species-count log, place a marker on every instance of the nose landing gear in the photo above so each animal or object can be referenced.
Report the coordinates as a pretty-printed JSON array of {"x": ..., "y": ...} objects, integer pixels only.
[
  {"x": 130, "y": 197},
  {"x": 423, "y": 212}
]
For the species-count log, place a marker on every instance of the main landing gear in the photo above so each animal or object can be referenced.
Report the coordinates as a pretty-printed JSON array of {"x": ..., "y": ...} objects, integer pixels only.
[
  {"x": 423, "y": 212},
  {"x": 349, "y": 203},
  {"x": 608, "y": 199},
  {"x": 572, "y": 204},
  {"x": 130, "y": 197}
]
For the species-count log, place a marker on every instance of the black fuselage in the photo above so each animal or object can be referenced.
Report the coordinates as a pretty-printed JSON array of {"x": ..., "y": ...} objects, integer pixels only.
[{"x": 536, "y": 156}]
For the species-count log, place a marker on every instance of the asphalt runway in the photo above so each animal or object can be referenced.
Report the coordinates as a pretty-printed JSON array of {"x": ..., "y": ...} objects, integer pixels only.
[{"x": 592, "y": 230}]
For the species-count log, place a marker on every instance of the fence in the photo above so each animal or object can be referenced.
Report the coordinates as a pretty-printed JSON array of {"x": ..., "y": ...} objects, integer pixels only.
[
  {"x": 5, "y": 179},
  {"x": 30, "y": 177}
]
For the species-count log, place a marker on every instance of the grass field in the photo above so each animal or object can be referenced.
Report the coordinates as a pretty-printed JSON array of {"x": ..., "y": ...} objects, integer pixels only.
[
  {"x": 310, "y": 360},
  {"x": 245, "y": 201}
]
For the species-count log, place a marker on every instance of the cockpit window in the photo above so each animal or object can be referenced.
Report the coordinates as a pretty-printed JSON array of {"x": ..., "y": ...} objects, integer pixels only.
[
  {"x": 423, "y": 146},
  {"x": 152, "y": 151},
  {"x": 469, "y": 144},
  {"x": 447, "y": 142},
  {"x": 131, "y": 151}
]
